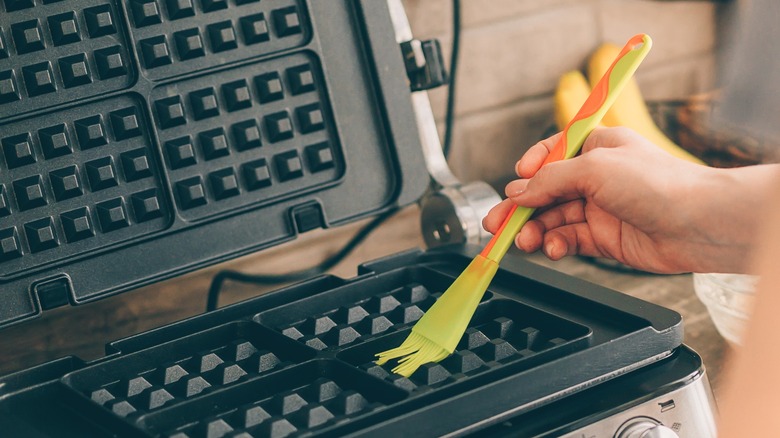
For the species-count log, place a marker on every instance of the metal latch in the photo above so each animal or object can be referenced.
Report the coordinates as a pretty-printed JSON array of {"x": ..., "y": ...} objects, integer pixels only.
[{"x": 424, "y": 64}]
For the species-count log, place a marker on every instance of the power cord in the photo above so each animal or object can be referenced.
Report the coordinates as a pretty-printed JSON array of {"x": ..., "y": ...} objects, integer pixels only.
[
  {"x": 219, "y": 279},
  {"x": 212, "y": 300},
  {"x": 449, "y": 118}
]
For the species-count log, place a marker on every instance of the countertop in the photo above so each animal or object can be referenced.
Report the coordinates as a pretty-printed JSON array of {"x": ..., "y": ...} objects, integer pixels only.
[{"x": 83, "y": 330}]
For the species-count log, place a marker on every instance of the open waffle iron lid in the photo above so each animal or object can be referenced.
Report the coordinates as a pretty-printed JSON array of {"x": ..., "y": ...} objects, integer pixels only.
[{"x": 147, "y": 138}]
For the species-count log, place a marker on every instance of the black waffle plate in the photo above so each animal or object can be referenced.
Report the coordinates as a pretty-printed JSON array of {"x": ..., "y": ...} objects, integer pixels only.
[{"x": 299, "y": 361}]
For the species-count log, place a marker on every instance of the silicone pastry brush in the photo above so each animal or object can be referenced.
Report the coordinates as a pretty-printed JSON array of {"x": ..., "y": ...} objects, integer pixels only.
[{"x": 438, "y": 332}]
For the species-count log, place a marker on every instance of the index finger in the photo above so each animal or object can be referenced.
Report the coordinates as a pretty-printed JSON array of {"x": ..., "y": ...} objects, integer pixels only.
[{"x": 533, "y": 158}]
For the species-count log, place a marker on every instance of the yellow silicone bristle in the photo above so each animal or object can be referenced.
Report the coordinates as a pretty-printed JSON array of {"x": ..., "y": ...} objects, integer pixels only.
[
  {"x": 415, "y": 351},
  {"x": 437, "y": 333},
  {"x": 410, "y": 345}
]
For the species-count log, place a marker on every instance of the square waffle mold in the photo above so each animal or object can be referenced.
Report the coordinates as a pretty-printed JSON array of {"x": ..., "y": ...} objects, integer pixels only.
[
  {"x": 185, "y": 369},
  {"x": 83, "y": 183},
  {"x": 58, "y": 52},
  {"x": 313, "y": 398},
  {"x": 143, "y": 139},
  {"x": 299, "y": 361},
  {"x": 501, "y": 332}
]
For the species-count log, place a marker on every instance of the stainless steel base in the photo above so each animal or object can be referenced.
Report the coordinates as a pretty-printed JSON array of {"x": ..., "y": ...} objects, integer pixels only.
[{"x": 687, "y": 412}]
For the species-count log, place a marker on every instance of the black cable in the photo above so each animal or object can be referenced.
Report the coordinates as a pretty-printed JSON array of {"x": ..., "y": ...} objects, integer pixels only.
[
  {"x": 218, "y": 280},
  {"x": 220, "y": 277},
  {"x": 449, "y": 118}
]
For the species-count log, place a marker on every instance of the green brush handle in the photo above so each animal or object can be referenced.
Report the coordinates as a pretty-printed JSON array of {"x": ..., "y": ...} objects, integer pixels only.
[{"x": 589, "y": 116}]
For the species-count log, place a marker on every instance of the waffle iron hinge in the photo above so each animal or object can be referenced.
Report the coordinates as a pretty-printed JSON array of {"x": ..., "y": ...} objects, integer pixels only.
[{"x": 451, "y": 211}]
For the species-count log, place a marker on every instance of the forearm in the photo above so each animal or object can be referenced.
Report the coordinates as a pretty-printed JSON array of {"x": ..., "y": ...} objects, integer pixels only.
[{"x": 752, "y": 391}]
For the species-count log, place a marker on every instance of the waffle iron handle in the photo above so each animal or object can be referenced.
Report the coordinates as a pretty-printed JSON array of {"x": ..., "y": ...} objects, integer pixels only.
[{"x": 451, "y": 212}]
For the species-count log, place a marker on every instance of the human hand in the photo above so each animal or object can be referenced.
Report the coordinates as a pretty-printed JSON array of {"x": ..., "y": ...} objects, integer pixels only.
[{"x": 625, "y": 199}]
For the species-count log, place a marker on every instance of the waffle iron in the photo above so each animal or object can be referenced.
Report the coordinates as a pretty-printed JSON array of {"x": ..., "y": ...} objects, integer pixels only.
[{"x": 144, "y": 139}]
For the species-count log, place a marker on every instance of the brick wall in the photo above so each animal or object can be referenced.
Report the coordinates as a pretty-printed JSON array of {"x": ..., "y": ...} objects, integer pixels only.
[{"x": 514, "y": 51}]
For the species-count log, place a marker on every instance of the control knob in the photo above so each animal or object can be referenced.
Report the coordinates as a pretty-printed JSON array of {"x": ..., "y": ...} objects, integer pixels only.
[{"x": 643, "y": 427}]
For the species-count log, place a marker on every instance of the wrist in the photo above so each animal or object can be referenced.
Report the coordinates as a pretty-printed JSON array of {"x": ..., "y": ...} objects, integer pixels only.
[{"x": 728, "y": 205}]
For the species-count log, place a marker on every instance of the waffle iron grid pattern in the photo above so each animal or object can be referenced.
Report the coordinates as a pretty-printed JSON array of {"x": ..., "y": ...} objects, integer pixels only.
[
  {"x": 186, "y": 378},
  {"x": 219, "y": 358},
  {"x": 53, "y": 52},
  {"x": 363, "y": 320},
  {"x": 496, "y": 336},
  {"x": 178, "y": 36},
  {"x": 93, "y": 171},
  {"x": 247, "y": 138},
  {"x": 149, "y": 153},
  {"x": 263, "y": 379},
  {"x": 317, "y": 403},
  {"x": 485, "y": 346}
]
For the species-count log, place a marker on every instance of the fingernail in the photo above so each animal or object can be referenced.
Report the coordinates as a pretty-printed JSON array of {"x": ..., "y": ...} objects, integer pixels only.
[
  {"x": 517, "y": 243},
  {"x": 549, "y": 248},
  {"x": 515, "y": 188}
]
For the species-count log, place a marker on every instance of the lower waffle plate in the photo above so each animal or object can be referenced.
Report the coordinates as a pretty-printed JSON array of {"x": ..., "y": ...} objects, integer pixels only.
[{"x": 299, "y": 361}]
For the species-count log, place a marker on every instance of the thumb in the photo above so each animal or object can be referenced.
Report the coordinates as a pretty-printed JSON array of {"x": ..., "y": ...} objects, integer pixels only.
[
  {"x": 555, "y": 182},
  {"x": 603, "y": 137}
]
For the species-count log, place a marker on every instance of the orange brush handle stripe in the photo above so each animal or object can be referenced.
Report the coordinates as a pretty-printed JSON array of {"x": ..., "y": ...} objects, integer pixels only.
[{"x": 489, "y": 247}]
